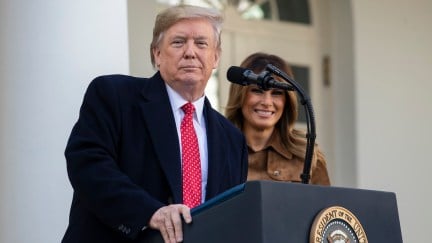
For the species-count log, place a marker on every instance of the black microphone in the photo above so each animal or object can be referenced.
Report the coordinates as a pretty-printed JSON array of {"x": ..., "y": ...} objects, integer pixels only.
[{"x": 264, "y": 80}]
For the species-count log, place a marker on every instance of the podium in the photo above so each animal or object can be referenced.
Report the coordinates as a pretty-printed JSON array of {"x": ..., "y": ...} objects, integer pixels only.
[{"x": 282, "y": 212}]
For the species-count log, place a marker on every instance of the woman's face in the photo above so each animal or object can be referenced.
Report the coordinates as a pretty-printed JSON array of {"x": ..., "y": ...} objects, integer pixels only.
[{"x": 262, "y": 109}]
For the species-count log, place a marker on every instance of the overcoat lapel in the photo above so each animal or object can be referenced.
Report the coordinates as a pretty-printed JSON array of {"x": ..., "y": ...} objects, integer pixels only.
[
  {"x": 159, "y": 120},
  {"x": 217, "y": 160}
]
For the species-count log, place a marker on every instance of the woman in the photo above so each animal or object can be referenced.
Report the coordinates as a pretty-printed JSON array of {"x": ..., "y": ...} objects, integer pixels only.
[{"x": 267, "y": 119}]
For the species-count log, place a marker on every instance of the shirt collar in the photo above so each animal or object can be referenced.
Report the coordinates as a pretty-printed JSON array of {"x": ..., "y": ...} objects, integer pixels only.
[{"x": 177, "y": 102}]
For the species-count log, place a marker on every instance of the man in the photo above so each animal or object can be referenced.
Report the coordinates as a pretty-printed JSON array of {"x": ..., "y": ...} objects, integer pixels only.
[{"x": 127, "y": 156}]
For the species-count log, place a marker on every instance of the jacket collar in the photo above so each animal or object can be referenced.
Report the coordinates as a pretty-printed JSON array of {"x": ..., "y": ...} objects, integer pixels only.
[{"x": 275, "y": 143}]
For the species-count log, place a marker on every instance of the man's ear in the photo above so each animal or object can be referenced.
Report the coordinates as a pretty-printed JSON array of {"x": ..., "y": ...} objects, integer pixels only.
[
  {"x": 217, "y": 59},
  {"x": 156, "y": 54}
]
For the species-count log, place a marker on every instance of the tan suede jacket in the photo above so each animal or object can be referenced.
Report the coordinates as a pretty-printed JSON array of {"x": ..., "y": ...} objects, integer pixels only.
[{"x": 274, "y": 162}]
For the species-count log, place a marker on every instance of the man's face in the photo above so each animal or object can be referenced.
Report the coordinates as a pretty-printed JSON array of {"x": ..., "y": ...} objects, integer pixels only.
[{"x": 186, "y": 56}]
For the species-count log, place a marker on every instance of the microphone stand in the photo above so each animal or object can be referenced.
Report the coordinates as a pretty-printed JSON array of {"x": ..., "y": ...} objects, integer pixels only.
[{"x": 310, "y": 120}]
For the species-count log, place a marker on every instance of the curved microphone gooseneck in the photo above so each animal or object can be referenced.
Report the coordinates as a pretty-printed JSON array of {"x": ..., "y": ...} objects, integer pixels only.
[{"x": 310, "y": 120}]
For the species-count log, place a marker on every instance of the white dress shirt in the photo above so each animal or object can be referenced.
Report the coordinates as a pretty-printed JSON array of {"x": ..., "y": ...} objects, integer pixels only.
[{"x": 200, "y": 128}]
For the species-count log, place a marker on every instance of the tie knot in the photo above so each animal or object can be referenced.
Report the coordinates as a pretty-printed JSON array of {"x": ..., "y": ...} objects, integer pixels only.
[{"x": 188, "y": 108}]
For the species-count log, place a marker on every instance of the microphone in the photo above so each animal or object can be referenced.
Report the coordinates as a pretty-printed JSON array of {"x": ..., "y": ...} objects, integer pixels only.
[{"x": 264, "y": 80}]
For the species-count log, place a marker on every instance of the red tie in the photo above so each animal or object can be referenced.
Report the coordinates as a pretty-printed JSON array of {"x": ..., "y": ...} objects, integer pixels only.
[{"x": 190, "y": 159}]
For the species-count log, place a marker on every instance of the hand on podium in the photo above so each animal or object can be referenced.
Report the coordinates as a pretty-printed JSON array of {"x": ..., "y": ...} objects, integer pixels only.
[{"x": 168, "y": 221}]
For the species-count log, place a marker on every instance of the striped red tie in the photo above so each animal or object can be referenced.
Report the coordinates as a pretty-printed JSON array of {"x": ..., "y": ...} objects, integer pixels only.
[{"x": 191, "y": 169}]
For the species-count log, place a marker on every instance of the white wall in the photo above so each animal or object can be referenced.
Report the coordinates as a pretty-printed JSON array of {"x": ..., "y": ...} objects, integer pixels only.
[
  {"x": 340, "y": 48},
  {"x": 393, "y": 59},
  {"x": 141, "y": 17},
  {"x": 49, "y": 52}
]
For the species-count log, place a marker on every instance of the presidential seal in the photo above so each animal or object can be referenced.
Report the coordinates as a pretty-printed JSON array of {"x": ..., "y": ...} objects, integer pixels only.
[{"x": 337, "y": 225}]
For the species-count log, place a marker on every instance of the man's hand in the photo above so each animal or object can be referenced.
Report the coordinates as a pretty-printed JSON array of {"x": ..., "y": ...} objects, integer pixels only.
[{"x": 168, "y": 221}]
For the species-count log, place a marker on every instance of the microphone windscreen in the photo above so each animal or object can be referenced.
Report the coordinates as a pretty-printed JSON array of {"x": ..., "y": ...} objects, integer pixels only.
[{"x": 235, "y": 74}]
